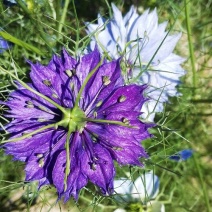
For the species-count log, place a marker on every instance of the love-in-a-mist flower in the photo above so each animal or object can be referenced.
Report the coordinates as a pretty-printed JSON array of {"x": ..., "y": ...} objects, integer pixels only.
[
  {"x": 146, "y": 48},
  {"x": 182, "y": 155},
  {"x": 73, "y": 120},
  {"x": 3, "y": 45},
  {"x": 143, "y": 190}
]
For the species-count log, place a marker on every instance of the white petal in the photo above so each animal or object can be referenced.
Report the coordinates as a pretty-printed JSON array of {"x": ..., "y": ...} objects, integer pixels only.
[
  {"x": 122, "y": 189},
  {"x": 120, "y": 210},
  {"x": 155, "y": 206},
  {"x": 145, "y": 187}
]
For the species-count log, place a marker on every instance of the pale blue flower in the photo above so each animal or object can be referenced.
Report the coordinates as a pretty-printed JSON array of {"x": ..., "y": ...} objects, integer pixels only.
[
  {"x": 144, "y": 189},
  {"x": 146, "y": 48}
]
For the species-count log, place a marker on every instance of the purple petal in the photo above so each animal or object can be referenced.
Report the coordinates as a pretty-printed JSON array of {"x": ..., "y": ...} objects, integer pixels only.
[
  {"x": 96, "y": 88},
  {"x": 126, "y": 98},
  {"x": 101, "y": 172}
]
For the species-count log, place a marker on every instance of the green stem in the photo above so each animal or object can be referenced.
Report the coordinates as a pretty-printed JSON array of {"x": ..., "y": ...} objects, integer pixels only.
[
  {"x": 158, "y": 99},
  {"x": 196, "y": 101},
  {"x": 86, "y": 81},
  {"x": 77, "y": 26},
  {"x": 24, "y": 7},
  {"x": 109, "y": 8},
  {"x": 202, "y": 183},
  {"x": 191, "y": 50},
  {"x": 68, "y": 162},
  {"x": 57, "y": 5},
  {"x": 63, "y": 17},
  {"x": 96, "y": 34},
  {"x": 34, "y": 91},
  {"x": 29, "y": 134},
  {"x": 21, "y": 43},
  {"x": 66, "y": 37}
]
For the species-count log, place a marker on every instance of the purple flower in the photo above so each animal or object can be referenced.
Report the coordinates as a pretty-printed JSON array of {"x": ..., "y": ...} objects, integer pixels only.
[
  {"x": 182, "y": 155},
  {"x": 73, "y": 121},
  {"x": 3, "y": 45}
]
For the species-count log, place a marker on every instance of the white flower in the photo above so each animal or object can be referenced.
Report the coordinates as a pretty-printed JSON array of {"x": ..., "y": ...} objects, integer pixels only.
[
  {"x": 144, "y": 189},
  {"x": 145, "y": 46},
  {"x": 155, "y": 206},
  {"x": 120, "y": 210}
]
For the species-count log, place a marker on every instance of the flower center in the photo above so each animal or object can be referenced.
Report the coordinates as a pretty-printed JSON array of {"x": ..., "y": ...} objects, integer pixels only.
[{"x": 73, "y": 119}]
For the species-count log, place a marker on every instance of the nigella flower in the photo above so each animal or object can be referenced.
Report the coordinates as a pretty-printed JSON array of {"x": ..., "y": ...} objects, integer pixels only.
[
  {"x": 182, "y": 155},
  {"x": 146, "y": 49},
  {"x": 3, "y": 45},
  {"x": 73, "y": 120},
  {"x": 144, "y": 189}
]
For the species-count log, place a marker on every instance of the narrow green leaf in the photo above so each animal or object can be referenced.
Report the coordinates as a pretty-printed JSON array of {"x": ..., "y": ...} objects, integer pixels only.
[{"x": 21, "y": 43}]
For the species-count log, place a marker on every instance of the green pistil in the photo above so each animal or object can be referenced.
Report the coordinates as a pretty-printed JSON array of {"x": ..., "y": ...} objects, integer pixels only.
[{"x": 73, "y": 119}]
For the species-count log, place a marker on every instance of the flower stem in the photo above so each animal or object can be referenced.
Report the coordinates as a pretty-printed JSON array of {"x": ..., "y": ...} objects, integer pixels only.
[
  {"x": 86, "y": 81},
  {"x": 21, "y": 43},
  {"x": 29, "y": 134},
  {"x": 34, "y": 91},
  {"x": 100, "y": 44},
  {"x": 202, "y": 183},
  {"x": 77, "y": 26},
  {"x": 63, "y": 16},
  {"x": 191, "y": 50},
  {"x": 68, "y": 161}
]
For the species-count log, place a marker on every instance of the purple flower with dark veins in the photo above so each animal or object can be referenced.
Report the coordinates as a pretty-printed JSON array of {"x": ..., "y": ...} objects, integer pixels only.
[{"x": 73, "y": 120}]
